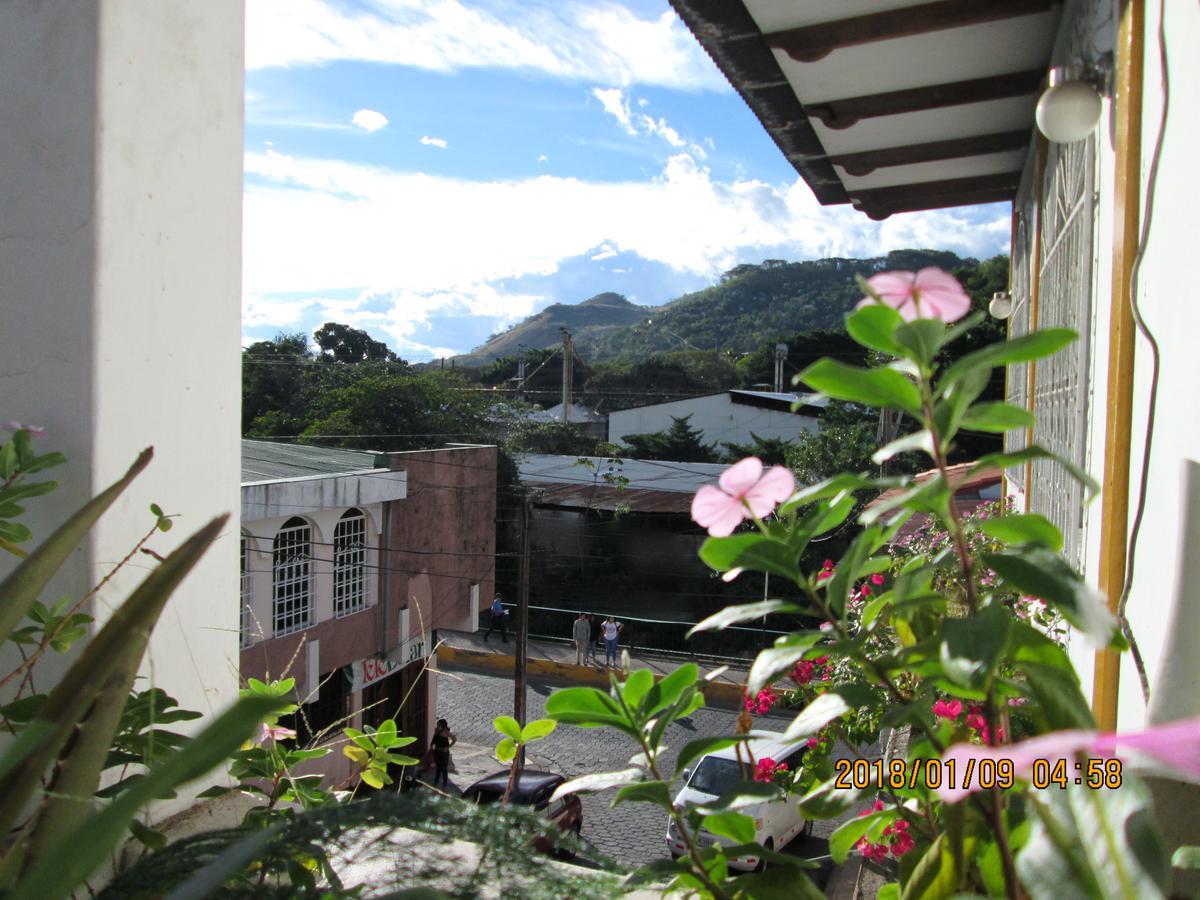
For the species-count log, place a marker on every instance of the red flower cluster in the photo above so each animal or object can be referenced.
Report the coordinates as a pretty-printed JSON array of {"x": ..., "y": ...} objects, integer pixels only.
[
  {"x": 762, "y": 702},
  {"x": 808, "y": 669},
  {"x": 864, "y": 589},
  {"x": 952, "y": 709},
  {"x": 767, "y": 769},
  {"x": 896, "y": 839},
  {"x": 826, "y": 570}
]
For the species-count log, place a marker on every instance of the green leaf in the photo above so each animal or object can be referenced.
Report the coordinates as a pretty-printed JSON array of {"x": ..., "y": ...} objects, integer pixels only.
[
  {"x": 537, "y": 729},
  {"x": 774, "y": 661},
  {"x": 1186, "y": 858},
  {"x": 883, "y": 388},
  {"x": 599, "y": 781},
  {"x": 634, "y": 688},
  {"x": 589, "y": 708},
  {"x": 1042, "y": 573},
  {"x": 971, "y": 647},
  {"x": 823, "y": 710},
  {"x": 779, "y": 882},
  {"x": 156, "y": 510},
  {"x": 506, "y": 750},
  {"x": 736, "y": 826},
  {"x": 874, "y": 326},
  {"x": 693, "y": 750},
  {"x": 839, "y": 484},
  {"x": 80, "y": 851},
  {"x": 937, "y": 874},
  {"x": 996, "y": 417},
  {"x": 957, "y": 398},
  {"x": 28, "y": 580},
  {"x": 1023, "y": 528},
  {"x": 843, "y": 839},
  {"x": 745, "y": 612},
  {"x": 155, "y": 840},
  {"x": 669, "y": 689},
  {"x": 753, "y": 551},
  {"x": 1058, "y": 696},
  {"x": 1026, "y": 348},
  {"x": 919, "y": 441},
  {"x": 655, "y": 792},
  {"x": 1089, "y": 843},
  {"x": 922, "y": 338},
  {"x": 508, "y": 726}
]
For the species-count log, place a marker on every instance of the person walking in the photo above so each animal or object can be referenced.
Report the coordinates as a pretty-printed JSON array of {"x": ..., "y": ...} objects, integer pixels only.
[
  {"x": 443, "y": 740},
  {"x": 611, "y": 630},
  {"x": 581, "y": 632},
  {"x": 499, "y": 617}
]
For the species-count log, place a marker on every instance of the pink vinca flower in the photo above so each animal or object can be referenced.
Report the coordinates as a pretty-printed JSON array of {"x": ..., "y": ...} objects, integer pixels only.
[
  {"x": 1174, "y": 747},
  {"x": 273, "y": 733},
  {"x": 35, "y": 430},
  {"x": 929, "y": 294},
  {"x": 948, "y": 709},
  {"x": 745, "y": 492}
]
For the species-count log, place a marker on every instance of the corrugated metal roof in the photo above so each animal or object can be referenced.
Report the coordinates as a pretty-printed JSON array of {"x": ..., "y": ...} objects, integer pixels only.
[
  {"x": 268, "y": 461},
  {"x": 641, "y": 474},
  {"x": 611, "y": 499}
]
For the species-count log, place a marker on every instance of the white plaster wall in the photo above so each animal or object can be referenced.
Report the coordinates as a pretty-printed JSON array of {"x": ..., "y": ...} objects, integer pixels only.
[
  {"x": 719, "y": 418},
  {"x": 120, "y": 252}
]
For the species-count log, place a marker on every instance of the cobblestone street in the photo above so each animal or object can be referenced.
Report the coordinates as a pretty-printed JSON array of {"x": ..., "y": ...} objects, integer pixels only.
[{"x": 632, "y": 834}]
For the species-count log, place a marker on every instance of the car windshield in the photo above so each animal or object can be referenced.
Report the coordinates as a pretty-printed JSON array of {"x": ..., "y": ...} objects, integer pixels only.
[{"x": 715, "y": 776}]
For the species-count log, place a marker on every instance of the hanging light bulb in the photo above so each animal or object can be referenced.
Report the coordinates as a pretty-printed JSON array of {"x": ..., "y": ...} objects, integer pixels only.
[
  {"x": 1070, "y": 107},
  {"x": 1001, "y": 305}
]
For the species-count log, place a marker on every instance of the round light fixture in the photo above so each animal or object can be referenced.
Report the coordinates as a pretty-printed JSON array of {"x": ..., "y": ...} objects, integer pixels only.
[
  {"x": 1069, "y": 108},
  {"x": 1001, "y": 305}
]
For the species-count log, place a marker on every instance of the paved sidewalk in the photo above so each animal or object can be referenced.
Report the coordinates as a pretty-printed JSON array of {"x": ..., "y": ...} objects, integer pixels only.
[{"x": 553, "y": 660}]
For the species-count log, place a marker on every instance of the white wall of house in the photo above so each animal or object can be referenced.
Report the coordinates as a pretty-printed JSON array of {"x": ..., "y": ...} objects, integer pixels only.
[
  {"x": 719, "y": 418},
  {"x": 120, "y": 269}
]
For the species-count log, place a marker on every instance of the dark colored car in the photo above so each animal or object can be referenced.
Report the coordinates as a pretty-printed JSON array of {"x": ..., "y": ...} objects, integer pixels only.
[{"x": 533, "y": 789}]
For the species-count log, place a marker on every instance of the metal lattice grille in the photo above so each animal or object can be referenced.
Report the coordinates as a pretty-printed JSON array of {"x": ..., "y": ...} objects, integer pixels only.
[
  {"x": 1061, "y": 393},
  {"x": 1018, "y": 325},
  {"x": 247, "y": 595},
  {"x": 349, "y": 564},
  {"x": 291, "y": 565}
]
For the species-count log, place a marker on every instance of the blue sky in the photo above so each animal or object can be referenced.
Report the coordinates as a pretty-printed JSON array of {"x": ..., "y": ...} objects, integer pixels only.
[{"x": 433, "y": 170}]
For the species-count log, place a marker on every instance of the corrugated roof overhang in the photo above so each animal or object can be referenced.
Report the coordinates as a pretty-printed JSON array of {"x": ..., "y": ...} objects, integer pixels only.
[{"x": 891, "y": 105}]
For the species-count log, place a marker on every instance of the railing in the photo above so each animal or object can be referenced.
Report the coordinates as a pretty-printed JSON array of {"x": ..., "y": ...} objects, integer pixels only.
[{"x": 668, "y": 638}]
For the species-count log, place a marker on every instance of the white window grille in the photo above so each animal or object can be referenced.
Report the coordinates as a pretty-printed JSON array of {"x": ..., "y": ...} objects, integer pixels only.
[
  {"x": 291, "y": 569},
  {"x": 247, "y": 635},
  {"x": 1061, "y": 385},
  {"x": 350, "y": 564}
]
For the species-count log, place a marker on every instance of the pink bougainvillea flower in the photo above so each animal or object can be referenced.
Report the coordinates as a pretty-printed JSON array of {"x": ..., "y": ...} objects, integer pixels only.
[
  {"x": 1174, "y": 747},
  {"x": 928, "y": 294},
  {"x": 876, "y": 579},
  {"x": 767, "y": 769},
  {"x": 744, "y": 491},
  {"x": 35, "y": 430},
  {"x": 948, "y": 709}
]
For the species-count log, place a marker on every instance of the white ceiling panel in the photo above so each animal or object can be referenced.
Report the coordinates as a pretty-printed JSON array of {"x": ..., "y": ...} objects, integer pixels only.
[
  {"x": 780, "y": 15},
  {"x": 947, "y": 123},
  {"x": 943, "y": 170},
  {"x": 938, "y": 57}
]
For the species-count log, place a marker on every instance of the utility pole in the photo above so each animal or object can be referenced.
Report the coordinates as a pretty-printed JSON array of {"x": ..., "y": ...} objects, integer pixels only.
[
  {"x": 521, "y": 650},
  {"x": 780, "y": 356},
  {"x": 521, "y": 379},
  {"x": 568, "y": 353}
]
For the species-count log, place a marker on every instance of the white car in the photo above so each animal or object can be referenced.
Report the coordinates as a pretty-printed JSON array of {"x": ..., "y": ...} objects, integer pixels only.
[{"x": 776, "y": 822}]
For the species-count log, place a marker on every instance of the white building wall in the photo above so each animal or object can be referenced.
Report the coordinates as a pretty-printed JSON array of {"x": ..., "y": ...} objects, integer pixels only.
[
  {"x": 719, "y": 418},
  {"x": 120, "y": 252}
]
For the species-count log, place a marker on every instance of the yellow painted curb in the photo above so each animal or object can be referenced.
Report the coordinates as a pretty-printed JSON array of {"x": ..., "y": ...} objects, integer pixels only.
[{"x": 721, "y": 692}]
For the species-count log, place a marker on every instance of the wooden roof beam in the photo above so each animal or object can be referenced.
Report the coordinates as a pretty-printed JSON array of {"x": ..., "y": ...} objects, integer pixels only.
[
  {"x": 813, "y": 42},
  {"x": 879, "y": 203},
  {"x": 840, "y": 114},
  {"x": 867, "y": 161}
]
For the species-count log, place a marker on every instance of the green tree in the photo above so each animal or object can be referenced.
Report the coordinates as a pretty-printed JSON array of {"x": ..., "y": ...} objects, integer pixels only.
[
  {"x": 845, "y": 442},
  {"x": 273, "y": 375},
  {"x": 772, "y": 451},
  {"x": 350, "y": 345},
  {"x": 679, "y": 443}
]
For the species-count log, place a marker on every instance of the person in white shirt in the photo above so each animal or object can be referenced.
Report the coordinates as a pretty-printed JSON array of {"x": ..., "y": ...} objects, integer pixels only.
[{"x": 610, "y": 630}]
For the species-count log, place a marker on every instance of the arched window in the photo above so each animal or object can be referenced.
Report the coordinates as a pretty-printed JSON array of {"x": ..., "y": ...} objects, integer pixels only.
[
  {"x": 247, "y": 594},
  {"x": 350, "y": 564},
  {"x": 290, "y": 563}
]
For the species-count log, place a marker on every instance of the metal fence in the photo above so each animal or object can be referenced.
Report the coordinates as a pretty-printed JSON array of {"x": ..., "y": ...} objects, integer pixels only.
[{"x": 734, "y": 644}]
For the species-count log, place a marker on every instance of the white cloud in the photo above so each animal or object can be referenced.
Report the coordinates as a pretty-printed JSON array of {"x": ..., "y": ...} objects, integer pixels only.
[
  {"x": 605, "y": 251},
  {"x": 432, "y": 245},
  {"x": 434, "y": 142},
  {"x": 617, "y": 105},
  {"x": 542, "y": 157},
  {"x": 579, "y": 40},
  {"x": 369, "y": 120}
]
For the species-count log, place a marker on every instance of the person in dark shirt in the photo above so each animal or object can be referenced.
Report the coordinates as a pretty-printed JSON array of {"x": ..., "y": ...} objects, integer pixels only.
[{"x": 443, "y": 740}]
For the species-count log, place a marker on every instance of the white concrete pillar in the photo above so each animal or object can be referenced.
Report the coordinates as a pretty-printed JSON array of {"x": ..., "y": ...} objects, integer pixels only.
[{"x": 120, "y": 267}]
